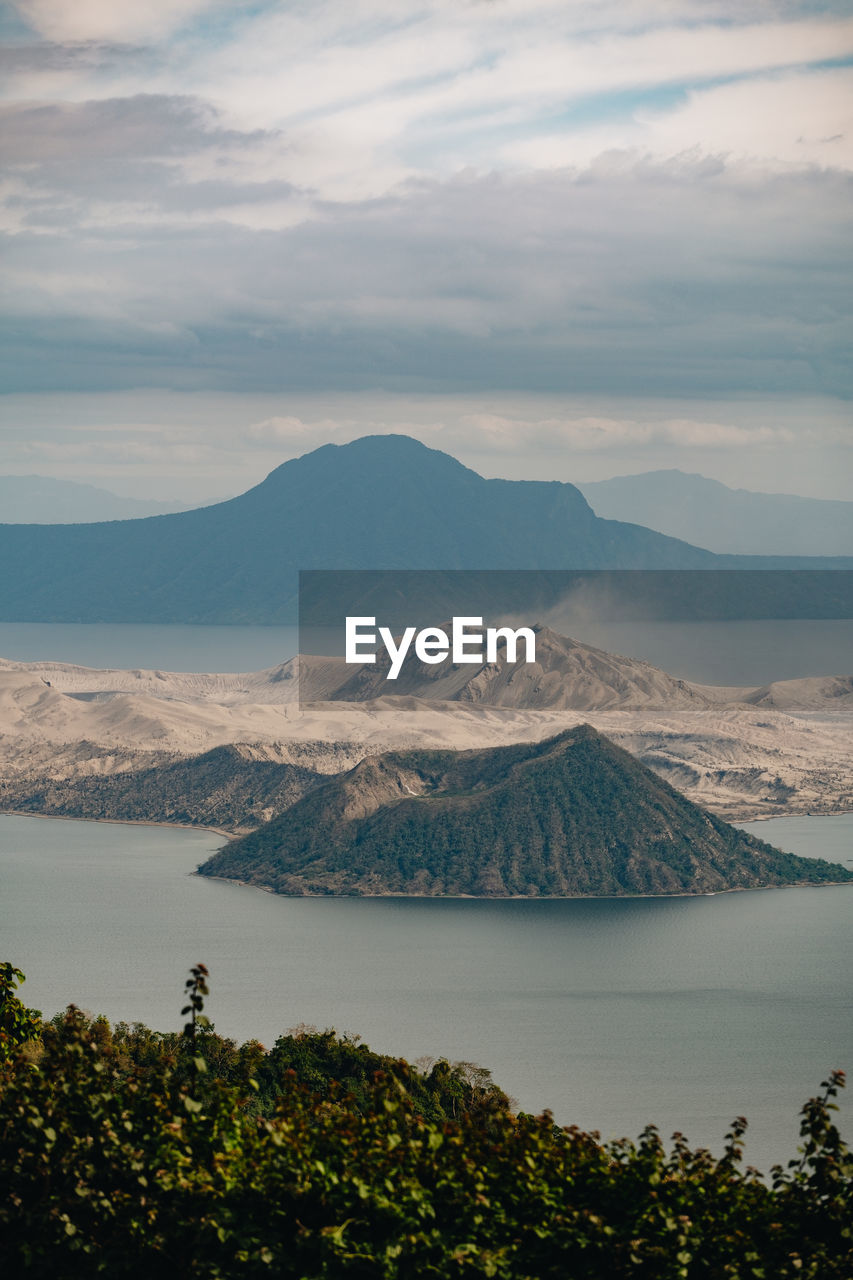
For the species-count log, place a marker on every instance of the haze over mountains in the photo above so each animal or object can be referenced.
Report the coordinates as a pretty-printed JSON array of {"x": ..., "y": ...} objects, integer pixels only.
[
  {"x": 687, "y": 506},
  {"x": 44, "y": 500},
  {"x": 711, "y": 515},
  {"x": 379, "y": 502}
]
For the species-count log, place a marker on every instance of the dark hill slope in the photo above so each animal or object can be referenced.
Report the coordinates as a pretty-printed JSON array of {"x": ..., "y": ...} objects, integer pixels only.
[
  {"x": 380, "y": 502},
  {"x": 574, "y": 815},
  {"x": 225, "y": 787}
]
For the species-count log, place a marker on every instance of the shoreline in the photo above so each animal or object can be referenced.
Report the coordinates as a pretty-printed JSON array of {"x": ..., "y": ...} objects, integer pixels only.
[
  {"x": 520, "y": 897},
  {"x": 773, "y": 817},
  {"x": 118, "y": 822},
  {"x": 232, "y": 835}
]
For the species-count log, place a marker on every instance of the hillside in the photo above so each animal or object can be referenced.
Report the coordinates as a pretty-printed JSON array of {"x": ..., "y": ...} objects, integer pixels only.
[
  {"x": 828, "y": 693},
  {"x": 567, "y": 675},
  {"x": 228, "y": 787},
  {"x": 712, "y": 515},
  {"x": 124, "y": 1147},
  {"x": 743, "y": 753},
  {"x": 571, "y": 816},
  {"x": 380, "y": 502}
]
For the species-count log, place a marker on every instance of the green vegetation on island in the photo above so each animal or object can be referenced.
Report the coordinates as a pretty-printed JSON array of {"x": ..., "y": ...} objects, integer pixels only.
[
  {"x": 573, "y": 815},
  {"x": 224, "y": 787},
  {"x": 127, "y": 1153}
]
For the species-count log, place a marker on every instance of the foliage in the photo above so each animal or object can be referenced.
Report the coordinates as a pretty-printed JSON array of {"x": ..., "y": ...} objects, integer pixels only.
[
  {"x": 321, "y": 1060},
  {"x": 196, "y": 988},
  {"x": 18, "y": 1024},
  {"x": 119, "y": 1163}
]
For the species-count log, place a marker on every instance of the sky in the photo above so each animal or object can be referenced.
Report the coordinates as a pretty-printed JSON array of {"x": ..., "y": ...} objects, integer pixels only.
[{"x": 558, "y": 239}]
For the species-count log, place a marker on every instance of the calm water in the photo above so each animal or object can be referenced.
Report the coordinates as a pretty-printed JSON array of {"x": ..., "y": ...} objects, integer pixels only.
[
  {"x": 613, "y": 1013},
  {"x": 828, "y": 837},
  {"x": 150, "y": 645},
  {"x": 748, "y": 653}
]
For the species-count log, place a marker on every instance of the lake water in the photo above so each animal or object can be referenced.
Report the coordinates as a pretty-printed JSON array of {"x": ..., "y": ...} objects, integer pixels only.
[
  {"x": 748, "y": 653},
  {"x": 613, "y": 1013},
  {"x": 149, "y": 645}
]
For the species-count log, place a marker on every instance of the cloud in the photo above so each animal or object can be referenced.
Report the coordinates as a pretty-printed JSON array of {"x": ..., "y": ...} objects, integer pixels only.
[
  {"x": 145, "y": 126},
  {"x": 368, "y": 94},
  {"x": 600, "y": 434},
  {"x": 646, "y": 197},
  {"x": 207, "y": 445},
  {"x": 114, "y": 453},
  {"x": 289, "y": 432},
  {"x": 29, "y": 59},
  {"x": 141, "y": 160},
  {"x": 693, "y": 274},
  {"x": 108, "y": 19},
  {"x": 747, "y": 120}
]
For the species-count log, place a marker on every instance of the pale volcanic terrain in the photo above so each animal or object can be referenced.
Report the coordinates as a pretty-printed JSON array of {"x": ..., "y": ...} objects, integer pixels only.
[{"x": 783, "y": 748}]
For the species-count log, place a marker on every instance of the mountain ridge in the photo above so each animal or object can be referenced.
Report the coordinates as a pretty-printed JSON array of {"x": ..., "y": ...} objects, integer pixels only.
[
  {"x": 725, "y": 519},
  {"x": 35, "y": 499},
  {"x": 378, "y": 502}
]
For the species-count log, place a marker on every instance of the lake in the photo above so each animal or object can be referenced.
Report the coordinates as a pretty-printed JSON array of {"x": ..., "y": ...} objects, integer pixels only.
[
  {"x": 613, "y": 1013},
  {"x": 747, "y": 653},
  {"x": 150, "y": 645}
]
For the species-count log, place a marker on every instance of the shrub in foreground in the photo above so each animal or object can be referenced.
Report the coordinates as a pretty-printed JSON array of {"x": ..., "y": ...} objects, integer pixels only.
[{"x": 125, "y": 1168}]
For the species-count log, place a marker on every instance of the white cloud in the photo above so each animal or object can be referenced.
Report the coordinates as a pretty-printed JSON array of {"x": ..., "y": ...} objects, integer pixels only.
[
  {"x": 292, "y": 433},
  {"x": 642, "y": 197},
  {"x": 119, "y": 20},
  {"x": 205, "y": 446},
  {"x": 356, "y": 97},
  {"x": 601, "y": 434},
  {"x": 775, "y": 122},
  {"x": 754, "y": 119}
]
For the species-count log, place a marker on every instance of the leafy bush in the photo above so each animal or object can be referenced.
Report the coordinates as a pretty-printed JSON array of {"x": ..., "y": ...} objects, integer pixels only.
[{"x": 125, "y": 1153}]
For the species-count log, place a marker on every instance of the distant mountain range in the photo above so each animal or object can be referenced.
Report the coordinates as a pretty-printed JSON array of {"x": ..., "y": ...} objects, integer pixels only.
[
  {"x": 712, "y": 515},
  {"x": 43, "y": 500},
  {"x": 574, "y": 815},
  {"x": 379, "y": 502},
  {"x": 679, "y": 504}
]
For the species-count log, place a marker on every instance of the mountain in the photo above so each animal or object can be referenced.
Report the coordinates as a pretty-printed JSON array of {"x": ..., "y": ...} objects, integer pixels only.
[
  {"x": 43, "y": 500},
  {"x": 380, "y": 502},
  {"x": 571, "y": 816},
  {"x": 712, "y": 515},
  {"x": 566, "y": 675}
]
